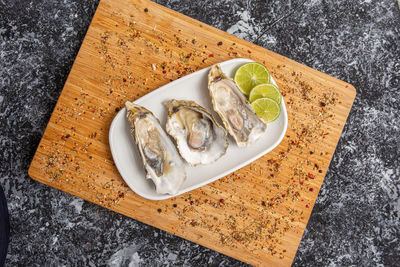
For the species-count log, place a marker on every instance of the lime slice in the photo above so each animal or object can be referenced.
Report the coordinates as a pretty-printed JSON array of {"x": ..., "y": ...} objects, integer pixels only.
[
  {"x": 265, "y": 90},
  {"x": 251, "y": 74},
  {"x": 267, "y": 109}
]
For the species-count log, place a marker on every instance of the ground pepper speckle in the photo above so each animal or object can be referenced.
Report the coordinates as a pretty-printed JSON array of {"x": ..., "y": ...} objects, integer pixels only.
[{"x": 361, "y": 186}]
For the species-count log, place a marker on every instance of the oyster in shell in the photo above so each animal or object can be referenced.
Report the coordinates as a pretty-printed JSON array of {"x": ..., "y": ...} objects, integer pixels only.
[
  {"x": 238, "y": 116},
  {"x": 160, "y": 158},
  {"x": 199, "y": 138}
]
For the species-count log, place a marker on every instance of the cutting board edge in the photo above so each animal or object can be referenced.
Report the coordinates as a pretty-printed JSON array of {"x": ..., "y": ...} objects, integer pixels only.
[
  {"x": 60, "y": 97},
  {"x": 194, "y": 21},
  {"x": 353, "y": 94},
  {"x": 350, "y": 90},
  {"x": 199, "y": 242}
]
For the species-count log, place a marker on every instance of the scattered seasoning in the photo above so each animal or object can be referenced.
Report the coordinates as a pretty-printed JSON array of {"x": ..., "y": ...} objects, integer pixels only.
[
  {"x": 68, "y": 160},
  {"x": 146, "y": 10}
]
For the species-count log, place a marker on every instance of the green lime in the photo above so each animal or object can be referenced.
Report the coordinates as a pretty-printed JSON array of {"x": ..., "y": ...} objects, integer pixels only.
[
  {"x": 265, "y": 90},
  {"x": 251, "y": 74},
  {"x": 267, "y": 109}
]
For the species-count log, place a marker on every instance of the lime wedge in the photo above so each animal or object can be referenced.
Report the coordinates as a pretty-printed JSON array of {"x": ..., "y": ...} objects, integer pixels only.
[
  {"x": 251, "y": 74},
  {"x": 265, "y": 90},
  {"x": 267, "y": 109}
]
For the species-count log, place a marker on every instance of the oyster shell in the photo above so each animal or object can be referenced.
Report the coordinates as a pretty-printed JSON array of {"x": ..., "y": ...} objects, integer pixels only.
[
  {"x": 160, "y": 158},
  {"x": 199, "y": 138},
  {"x": 238, "y": 116}
]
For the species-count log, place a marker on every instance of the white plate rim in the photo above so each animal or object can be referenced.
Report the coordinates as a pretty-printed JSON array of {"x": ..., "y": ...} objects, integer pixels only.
[{"x": 166, "y": 87}]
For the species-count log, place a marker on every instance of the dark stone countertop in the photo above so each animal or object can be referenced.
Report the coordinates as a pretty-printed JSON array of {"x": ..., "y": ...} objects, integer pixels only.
[{"x": 356, "y": 217}]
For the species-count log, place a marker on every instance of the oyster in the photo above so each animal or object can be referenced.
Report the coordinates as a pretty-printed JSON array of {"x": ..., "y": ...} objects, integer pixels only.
[
  {"x": 160, "y": 158},
  {"x": 238, "y": 116},
  {"x": 199, "y": 138}
]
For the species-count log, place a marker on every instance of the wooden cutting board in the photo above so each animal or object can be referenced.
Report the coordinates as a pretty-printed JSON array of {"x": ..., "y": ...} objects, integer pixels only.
[{"x": 258, "y": 213}]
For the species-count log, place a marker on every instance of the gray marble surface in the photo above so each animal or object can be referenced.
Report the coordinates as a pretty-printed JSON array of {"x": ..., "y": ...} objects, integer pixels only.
[{"x": 356, "y": 217}]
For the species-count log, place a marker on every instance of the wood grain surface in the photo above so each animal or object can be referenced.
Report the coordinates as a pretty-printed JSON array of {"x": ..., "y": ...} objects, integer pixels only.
[{"x": 256, "y": 214}]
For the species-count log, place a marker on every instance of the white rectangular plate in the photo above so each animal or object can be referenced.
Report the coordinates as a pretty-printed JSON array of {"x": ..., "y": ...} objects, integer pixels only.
[{"x": 191, "y": 87}]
